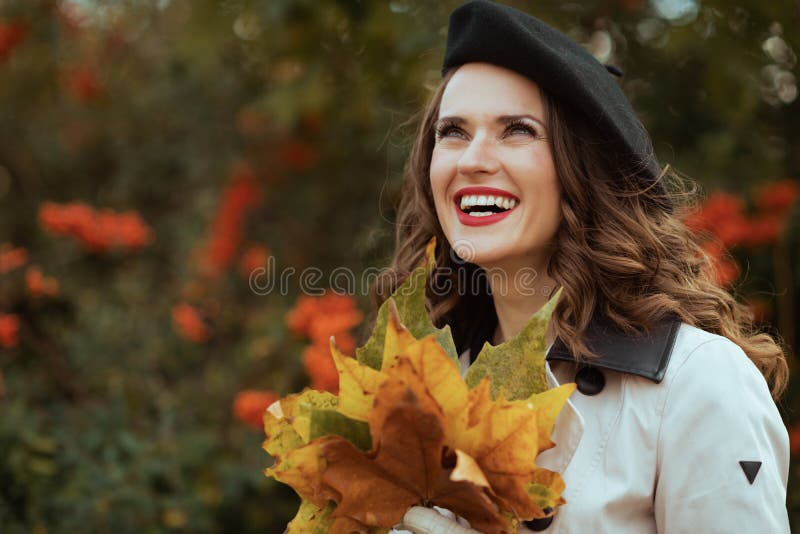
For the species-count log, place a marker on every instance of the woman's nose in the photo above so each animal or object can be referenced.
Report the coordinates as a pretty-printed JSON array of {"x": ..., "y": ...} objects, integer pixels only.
[{"x": 479, "y": 156}]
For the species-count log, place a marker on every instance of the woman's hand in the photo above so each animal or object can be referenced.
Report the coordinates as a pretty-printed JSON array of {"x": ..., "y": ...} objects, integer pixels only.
[{"x": 421, "y": 520}]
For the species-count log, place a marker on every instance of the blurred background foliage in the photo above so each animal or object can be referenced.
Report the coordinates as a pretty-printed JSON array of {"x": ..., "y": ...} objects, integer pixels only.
[{"x": 153, "y": 153}]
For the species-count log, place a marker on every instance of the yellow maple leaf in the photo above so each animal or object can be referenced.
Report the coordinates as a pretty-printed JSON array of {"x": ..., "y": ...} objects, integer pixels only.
[
  {"x": 287, "y": 424},
  {"x": 357, "y": 384}
]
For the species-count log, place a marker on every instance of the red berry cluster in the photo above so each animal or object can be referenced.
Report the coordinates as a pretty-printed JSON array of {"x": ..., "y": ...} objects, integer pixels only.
[
  {"x": 319, "y": 318},
  {"x": 242, "y": 194},
  {"x": 12, "y": 33},
  {"x": 723, "y": 223},
  {"x": 97, "y": 230}
]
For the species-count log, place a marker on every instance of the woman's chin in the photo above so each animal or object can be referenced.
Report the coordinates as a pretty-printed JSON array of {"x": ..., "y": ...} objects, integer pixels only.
[
  {"x": 484, "y": 256},
  {"x": 498, "y": 254}
]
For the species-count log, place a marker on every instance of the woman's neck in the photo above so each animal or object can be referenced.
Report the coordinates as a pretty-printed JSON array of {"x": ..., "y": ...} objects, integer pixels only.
[{"x": 514, "y": 308}]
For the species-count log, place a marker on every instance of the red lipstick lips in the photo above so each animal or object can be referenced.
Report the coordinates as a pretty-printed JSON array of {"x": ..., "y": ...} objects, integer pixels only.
[{"x": 471, "y": 220}]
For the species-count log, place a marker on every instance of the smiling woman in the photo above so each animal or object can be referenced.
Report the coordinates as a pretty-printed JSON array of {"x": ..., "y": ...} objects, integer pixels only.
[
  {"x": 529, "y": 158},
  {"x": 491, "y": 134}
]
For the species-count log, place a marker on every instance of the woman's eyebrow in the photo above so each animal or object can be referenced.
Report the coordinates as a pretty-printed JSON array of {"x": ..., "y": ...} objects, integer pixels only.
[
  {"x": 502, "y": 119},
  {"x": 450, "y": 120},
  {"x": 505, "y": 119}
]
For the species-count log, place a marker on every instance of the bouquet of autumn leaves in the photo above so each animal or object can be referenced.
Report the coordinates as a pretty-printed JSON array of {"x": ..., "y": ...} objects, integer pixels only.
[{"x": 406, "y": 429}]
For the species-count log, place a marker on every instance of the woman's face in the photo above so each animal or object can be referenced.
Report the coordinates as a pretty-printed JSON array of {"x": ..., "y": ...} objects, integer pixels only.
[{"x": 492, "y": 175}]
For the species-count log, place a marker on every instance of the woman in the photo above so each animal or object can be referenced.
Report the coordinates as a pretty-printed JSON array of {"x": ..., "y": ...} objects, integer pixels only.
[{"x": 530, "y": 160}]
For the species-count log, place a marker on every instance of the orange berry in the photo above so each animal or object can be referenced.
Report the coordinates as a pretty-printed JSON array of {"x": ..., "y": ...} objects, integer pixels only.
[
  {"x": 9, "y": 330},
  {"x": 11, "y": 258},
  {"x": 189, "y": 323}
]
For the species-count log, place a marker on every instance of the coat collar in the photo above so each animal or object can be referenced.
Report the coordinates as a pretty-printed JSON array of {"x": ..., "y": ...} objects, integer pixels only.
[{"x": 645, "y": 355}]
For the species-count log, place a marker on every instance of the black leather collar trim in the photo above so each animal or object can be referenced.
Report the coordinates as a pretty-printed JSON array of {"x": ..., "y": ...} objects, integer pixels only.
[{"x": 646, "y": 356}]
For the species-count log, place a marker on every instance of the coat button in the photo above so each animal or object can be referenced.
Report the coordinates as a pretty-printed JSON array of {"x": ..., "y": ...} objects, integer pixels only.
[
  {"x": 590, "y": 380},
  {"x": 538, "y": 525}
]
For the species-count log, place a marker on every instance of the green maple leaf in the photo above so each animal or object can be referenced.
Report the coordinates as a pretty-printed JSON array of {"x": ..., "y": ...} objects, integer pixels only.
[
  {"x": 409, "y": 298},
  {"x": 516, "y": 368}
]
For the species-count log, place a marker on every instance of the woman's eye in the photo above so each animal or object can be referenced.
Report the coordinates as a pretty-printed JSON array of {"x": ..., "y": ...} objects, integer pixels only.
[
  {"x": 521, "y": 128},
  {"x": 448, "y": 131},
  {"x": 455, "y": 132}
]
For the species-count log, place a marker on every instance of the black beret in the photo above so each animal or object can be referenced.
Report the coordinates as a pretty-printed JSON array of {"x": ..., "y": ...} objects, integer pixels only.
[{"x": 483, "y": 31}]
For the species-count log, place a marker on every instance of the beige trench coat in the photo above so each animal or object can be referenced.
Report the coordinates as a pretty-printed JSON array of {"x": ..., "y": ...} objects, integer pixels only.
[{"x": 646, "y": 457}]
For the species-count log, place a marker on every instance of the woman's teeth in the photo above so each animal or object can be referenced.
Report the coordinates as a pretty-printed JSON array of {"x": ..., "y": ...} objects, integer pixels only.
[{"x": 468, "y": 202}]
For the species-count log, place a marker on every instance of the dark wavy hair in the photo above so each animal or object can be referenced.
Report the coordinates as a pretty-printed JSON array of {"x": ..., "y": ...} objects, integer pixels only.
[{"x": 619, "y": 250}]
